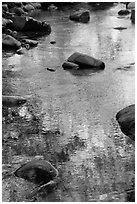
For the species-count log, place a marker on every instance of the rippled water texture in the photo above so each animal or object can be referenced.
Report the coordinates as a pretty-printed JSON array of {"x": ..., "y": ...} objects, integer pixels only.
[{"x": 76, "y": 128}]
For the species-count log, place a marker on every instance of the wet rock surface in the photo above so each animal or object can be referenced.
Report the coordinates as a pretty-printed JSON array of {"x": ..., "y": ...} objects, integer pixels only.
[
  {"x": 80, "y": 16},
  {"x": 126, "y": 120},
  {"x": 69, "y": 118},
  {"x": 85, "y": 61}
]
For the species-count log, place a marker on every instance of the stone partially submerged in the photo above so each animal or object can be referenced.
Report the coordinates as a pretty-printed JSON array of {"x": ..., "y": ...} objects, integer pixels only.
[
  {"x": 86, "y": 62},
  {"x": 37, "y": 171},
  {"x": 82, "y": 16},
  {"x": 126, "y": 120}
]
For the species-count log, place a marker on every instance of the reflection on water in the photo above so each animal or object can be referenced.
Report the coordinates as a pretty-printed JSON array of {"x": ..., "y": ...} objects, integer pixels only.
[{"x": 70, "y": 118}]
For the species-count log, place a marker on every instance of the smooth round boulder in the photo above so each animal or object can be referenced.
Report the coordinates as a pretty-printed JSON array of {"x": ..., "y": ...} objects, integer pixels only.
[
  {"x": 28, "y": 8},
  {"x": 126, "y": 120},
  {"x": 37, "y": 171},
  {"x": 10, "y": 42},
  {"x": 82, "y": 16},
  {"x": 86, "y": 62}
]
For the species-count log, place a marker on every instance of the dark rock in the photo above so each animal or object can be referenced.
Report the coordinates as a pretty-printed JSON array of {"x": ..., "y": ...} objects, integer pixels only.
[
  {"x": 86, "y": 62},
  {"x": 53, "y": 42},
  {"x": 36, "y": 5},
  {"x": 120, "y": 28},
  {"x": 11, "y": 101},
  {"x": 133, "y": 15},
  {"x": 11, "y": 5},
  {"x": 19, "y": 22},
  {"x": 82, "y": 16},
  {"x": 34, "y": 25},
  {"x": 126, "y": 120},
  {"x": 70, "y": 65},
  {"x": 10, "y": 42},
  {"x": 29, "y": 24},
  {"x": 37, "y": 171},
  {"x": 124, "y": 12}
]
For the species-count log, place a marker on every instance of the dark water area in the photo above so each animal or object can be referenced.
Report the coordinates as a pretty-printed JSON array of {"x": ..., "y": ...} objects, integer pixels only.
[{"x": 69, "y": 118}]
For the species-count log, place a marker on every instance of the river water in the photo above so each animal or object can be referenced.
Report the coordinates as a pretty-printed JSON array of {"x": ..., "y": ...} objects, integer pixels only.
[{"x": 78, "y": 131}]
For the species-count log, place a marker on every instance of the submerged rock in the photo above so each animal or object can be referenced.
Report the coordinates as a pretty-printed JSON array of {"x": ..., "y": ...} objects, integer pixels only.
[
  {"x": 82, "y": 16},
  {"x": 124, "y": 12},
  {"x": 37, "y": 171},
  {"x": 11, "y": 101},
  {"x": 86, "y": 62},
  {"x": 10, "y": 42},
  {"x": 126, "y": 120}
]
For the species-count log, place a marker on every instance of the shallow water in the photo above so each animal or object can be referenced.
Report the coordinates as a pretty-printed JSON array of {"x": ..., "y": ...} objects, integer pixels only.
[{"x": 76, "y": 128}]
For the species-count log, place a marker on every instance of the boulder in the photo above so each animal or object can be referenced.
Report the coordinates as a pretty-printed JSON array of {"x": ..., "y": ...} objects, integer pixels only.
[
  {"x": 126, "y": 120},
  {"x": 18, "y": 11},
  {"x": 6, "y": 23},
  {"x": 123, "y": 12},
  {"x": 36, "y": 5},
  {"x": 19, "y": 22},
  {"x": 130, "y": 5},
  {"x": 70, "y": 65},
  {"x": 29, "y": 24},
  {"x": 10, "y": 42},
  {"x": 86, "y": 62},
  {"x": 5, "y": 7},
  {"x": 82, "y": 16},
  {"x": 11, "y": 101},
  {"x": 34, "y": 25},
  {"x": 28, "y": 8},
  {"x": 10, "y": 32},
  {"x": 37, "y": 171}
]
